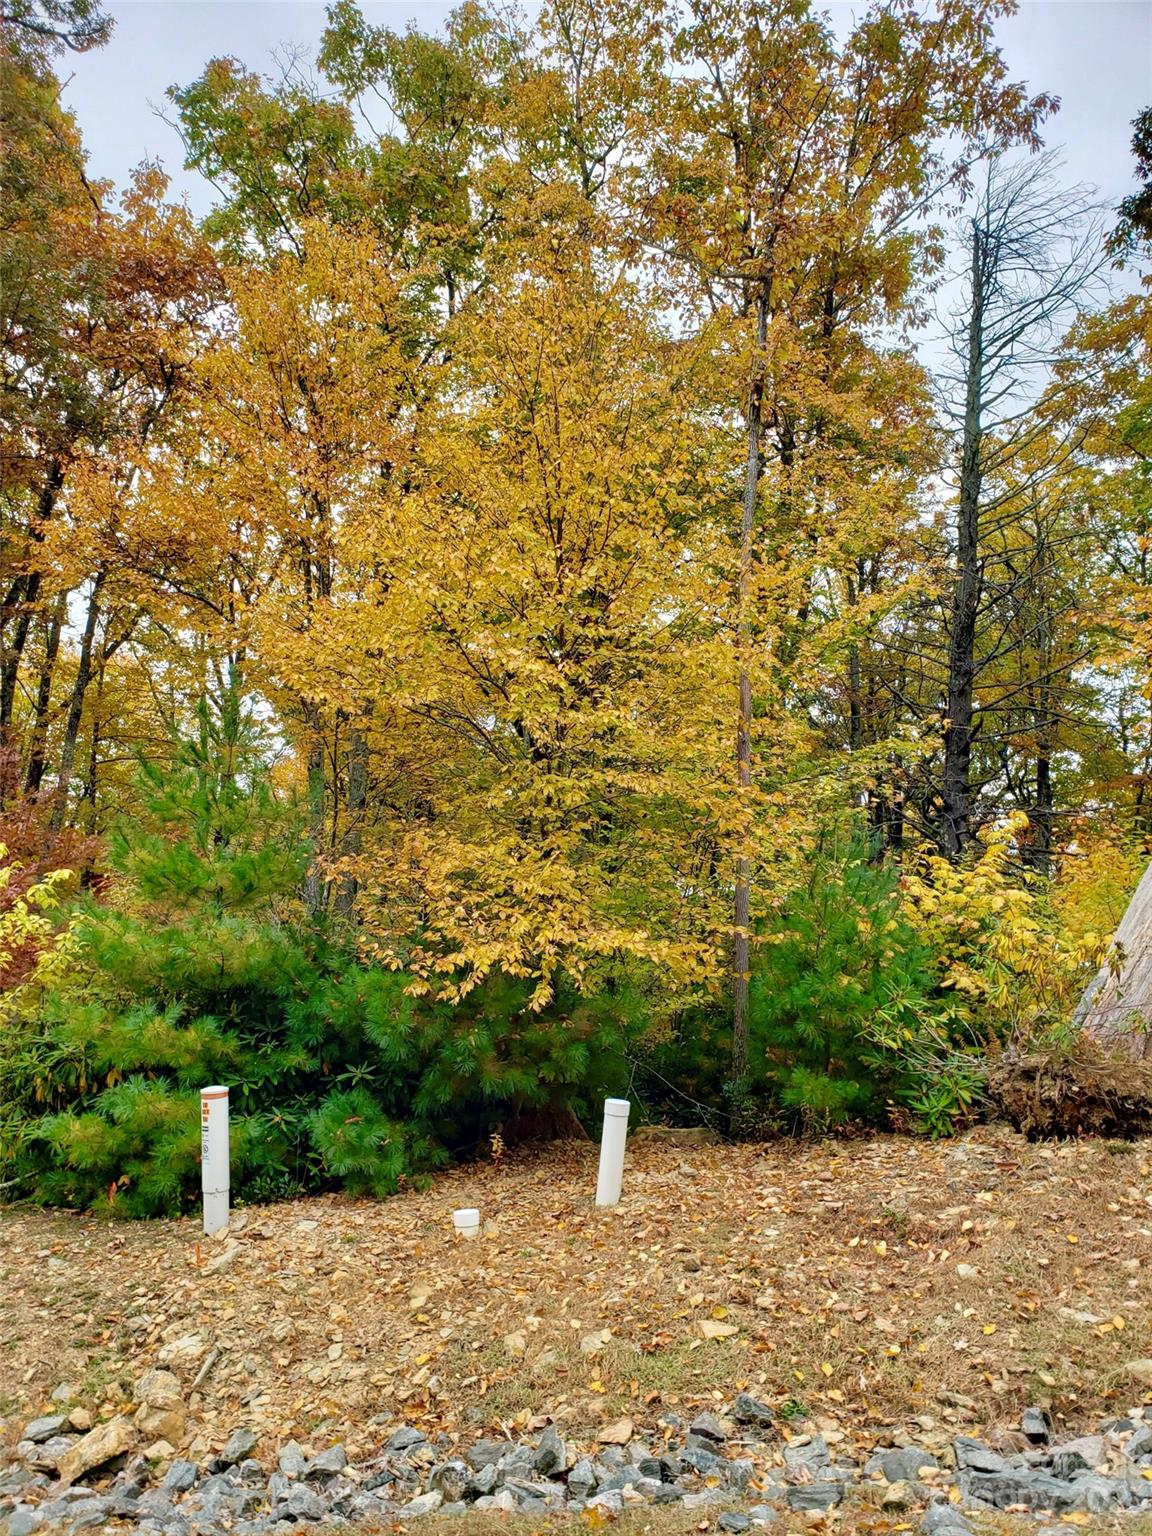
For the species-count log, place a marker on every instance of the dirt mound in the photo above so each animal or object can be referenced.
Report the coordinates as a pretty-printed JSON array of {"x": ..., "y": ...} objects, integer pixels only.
[{"x": 1082, "y": 1089}]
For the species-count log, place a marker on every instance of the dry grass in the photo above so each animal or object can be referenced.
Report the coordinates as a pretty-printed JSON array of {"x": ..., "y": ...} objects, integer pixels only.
[{"x": 874, "y": 1286}]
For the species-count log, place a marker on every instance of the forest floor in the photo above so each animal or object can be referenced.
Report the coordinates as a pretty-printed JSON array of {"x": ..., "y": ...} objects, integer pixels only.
[{"x": 875, "y": 1290}]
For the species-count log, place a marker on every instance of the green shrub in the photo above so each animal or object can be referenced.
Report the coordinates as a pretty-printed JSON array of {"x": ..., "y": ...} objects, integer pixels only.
[{"x": 205, "y": 969}]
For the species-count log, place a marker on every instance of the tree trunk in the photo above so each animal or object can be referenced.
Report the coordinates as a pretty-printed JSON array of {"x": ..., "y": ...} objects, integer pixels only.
[
  {"x": 356, "y": 799},
  {"x": 742, "y": 910},
  {"x": 35, "y": 773},
  {"x": 76, "y": 705},
  {"x": 20, "y": 599},
  {"x": 956, "y": 821}
]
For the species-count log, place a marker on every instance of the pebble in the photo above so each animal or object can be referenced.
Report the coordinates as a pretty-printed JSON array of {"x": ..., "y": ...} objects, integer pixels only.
[{"x": 676, "y": 1464}]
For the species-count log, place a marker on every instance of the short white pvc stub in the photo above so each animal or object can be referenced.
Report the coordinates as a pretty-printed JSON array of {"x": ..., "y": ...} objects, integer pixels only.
[
  {"x": 214, "y": 1169},
  {"x": 466, "y": 1221},
  {"x": 612, "y": 1144}
]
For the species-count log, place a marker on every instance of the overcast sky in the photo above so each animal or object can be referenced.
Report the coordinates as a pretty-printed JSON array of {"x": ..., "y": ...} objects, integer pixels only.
[{"x": 1096, "y": 55}]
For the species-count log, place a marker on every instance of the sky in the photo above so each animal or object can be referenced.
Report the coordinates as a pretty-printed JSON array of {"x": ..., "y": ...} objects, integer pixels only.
[{"x": 1096, "y": 55}]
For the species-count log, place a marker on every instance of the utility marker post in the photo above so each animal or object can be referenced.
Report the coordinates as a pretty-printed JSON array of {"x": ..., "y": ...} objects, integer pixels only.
[
  {"x": 214, "y": 1172},
  {"x": 612, "y": 1143}
]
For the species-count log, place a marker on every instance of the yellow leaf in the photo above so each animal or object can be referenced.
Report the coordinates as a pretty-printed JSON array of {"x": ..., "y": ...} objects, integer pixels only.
[{"x": 826, "y": 1369}]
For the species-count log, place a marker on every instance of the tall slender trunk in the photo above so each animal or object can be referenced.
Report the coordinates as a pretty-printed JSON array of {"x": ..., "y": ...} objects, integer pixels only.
[
  {"x": 35, "y": 774},
  {"x": 315, "y": 893},
  {"x": 956, "y": 821},
  {"x": 20, "y": 599},
  {"x": 356, "y": 798},
  {"x": 76, "y": 704},
  {"x": 742, "y": 907}
]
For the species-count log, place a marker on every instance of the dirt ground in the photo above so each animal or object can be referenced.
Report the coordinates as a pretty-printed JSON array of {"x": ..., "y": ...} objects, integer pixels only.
[{"x": 877, "y": 1289}]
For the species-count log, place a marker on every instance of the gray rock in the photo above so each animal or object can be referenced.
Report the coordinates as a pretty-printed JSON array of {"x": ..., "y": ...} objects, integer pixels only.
[
  {"x": 763, "y": 1514},
  {"x": 1140, "y": 1444},
  {"x": 551, "y": 1454},
  {"x": 43, "y": 1429},
  {"x": 455, "y": 1507},
  {"x": 668, "y": 1493},
  {"x": 1034, "y": 1490},
  {"x": 329, "y": 1463},
  {"x": 304, "y": 1504},
  {"x": 292, "y": 1460},
  {"x": 485, "y": 1481},
  {"x": 1097, "y": 1495},
  {"x": 404, "y": 1438},
  {"x": 733, "y": 1520},
  {"x": 709, "y": 1427},
  {"x": 180, "y": 1476},
  {"x": 972, "y": 1456},
  {"x": 1066, "y": 1464},
  {"x": 89, "y": 1513},
  {"x": 812, "y": 1454},
  {"x": 450, "y": 1479},
  {"x": 505, "y": 1500},
  {"x": 747, "y": 1409},
  {"x": 739, "y": 1473},
  {"x": 703, "y": 1462},
  {"x": 903, "y": 1464},
  {"x": 519, "y": 1462},
  {"x": 1092, "y": 1447},
  {"x": 944, "y": 1520},
  {"x": 24, "y": 1520},
  {"x": 45, "y": 1456},
  {"x": 582, "y": 1479},
  {"x": 241, "y": 1443},
  {"x": 815, "y": 1496},
  {"x": 1036, "y": 1425},
  {"x": 702, "y": 1499},
  {"x": 611, "y": 1499}
]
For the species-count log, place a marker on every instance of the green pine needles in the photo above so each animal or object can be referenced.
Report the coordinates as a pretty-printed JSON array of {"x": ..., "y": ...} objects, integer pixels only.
[{"x": 202, "y": 969}]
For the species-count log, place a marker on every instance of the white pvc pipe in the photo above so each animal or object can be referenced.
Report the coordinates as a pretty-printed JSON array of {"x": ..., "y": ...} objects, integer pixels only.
[
  {"x": 214, "y": 1174},
  {"x": 466, "y": 1221},
  {"x": 612, "y": 1142}
]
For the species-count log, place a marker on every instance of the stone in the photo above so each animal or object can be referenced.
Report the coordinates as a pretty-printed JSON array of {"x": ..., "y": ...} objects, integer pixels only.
[
  {"x": 809, "y": 1452},
  {"x": 292, "y": 1460},
  {"x": 1066, "y": 1464},
  {"x": 747, "y": 1409},
  {"x": 709, "y": 1427},
  {"x": 551, "y": 1453},
  {"x": 505, "y": 1500},
  {"x": 1140, "y": 1445},
  {"x": 762, "y": 1514},
  {"x": 1092, "y": 1448},
  {"x": 581, "y": 1479},
  {"x": 24, "y": 1520},
  {"x": 43, "y": 1429},
  {"x": 329, "y": 1463},
  {"x": 180, "y": 1476},
  {"x": 99, "y": 1446},
  {"x": 1100, "y": 1495},
  {"x": 972, "y": 1456},
  {"x": 703, "y": 1462},
  {"x": 1140, "y": 1370},
  {"x": 944, "y": 1520},
  {"x": 1036, "y": 1425},
  {"x": 90, "y": 1513},
  {"x": 485, "y": 1452},
  {"x": 616, "y": 1434},
  {"x": 240, "y": 1444},
  {"x": 404, "y": 1438},
  {"x": 485, "y": 1481},
  {"x": 904, "y": 1464},
  {"x": 815, "y": 1496},
  {"x": 449, "y": 1479},
  {"x": 1033, "y": 1490},
  {"x": 898, "y": 1495},
  {"x": 733, "y": 1520},
  {"x": 667, "y": 1493},
  {"x": 304, "y": 1504},
  {"x": 739, "y": 1473}
]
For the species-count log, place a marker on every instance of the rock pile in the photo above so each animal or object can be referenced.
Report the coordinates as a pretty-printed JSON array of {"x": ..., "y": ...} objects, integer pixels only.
[{"x": 737, "y": 1468}]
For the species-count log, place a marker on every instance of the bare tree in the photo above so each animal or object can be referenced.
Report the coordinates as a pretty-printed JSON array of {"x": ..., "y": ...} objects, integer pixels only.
[{"x": 1035, "y": 252}]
